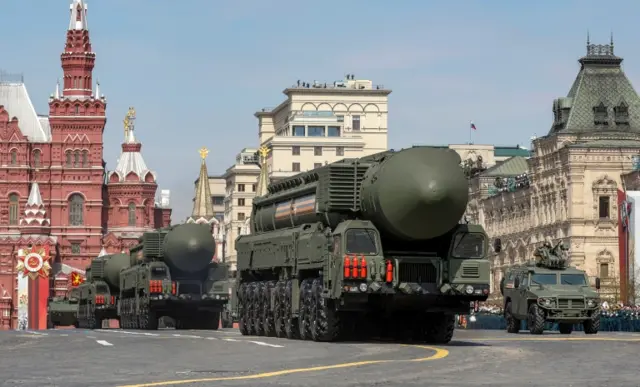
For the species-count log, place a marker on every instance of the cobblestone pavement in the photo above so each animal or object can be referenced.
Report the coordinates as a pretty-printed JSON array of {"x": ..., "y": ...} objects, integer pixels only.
[{"x": 83, "y": 358}]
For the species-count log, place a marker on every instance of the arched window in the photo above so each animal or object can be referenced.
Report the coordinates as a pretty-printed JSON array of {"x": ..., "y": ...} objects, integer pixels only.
[
  {"x": 14, "y": 209},
  {"x": 14, "y": 157},
  {"x": 36, "y": 158},
  {"x": 132, "y": 214},
  {"x": 76, "y": 209},
  {"x": 68, "y": 158},
  {"x": 85, "y": 158},
  {"x": 76, "y": 158}
]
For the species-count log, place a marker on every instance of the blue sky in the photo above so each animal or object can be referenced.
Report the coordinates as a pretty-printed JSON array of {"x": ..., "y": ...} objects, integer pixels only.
[{"x": 197, "y": 70}]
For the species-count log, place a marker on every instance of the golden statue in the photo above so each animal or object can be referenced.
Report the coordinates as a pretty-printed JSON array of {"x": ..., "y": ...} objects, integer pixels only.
[
  {"x": 203, "y": 153},
  {"x": 128, "y": 121}
]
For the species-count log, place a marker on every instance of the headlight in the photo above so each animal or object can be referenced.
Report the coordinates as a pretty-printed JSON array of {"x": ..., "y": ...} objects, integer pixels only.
[
  {"x": 548, "y": 302},
  {"x": 591, "y": 303},
  {"x": 469, "y": 289},
  {"x": 363, "y": 287}
]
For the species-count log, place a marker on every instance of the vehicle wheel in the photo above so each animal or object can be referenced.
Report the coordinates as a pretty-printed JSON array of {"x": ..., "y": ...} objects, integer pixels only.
[
  {"x": 565, "y": 328},
  {"x": 50, "y": 324},
  {"x": 269, "y": 326},
  {"x": 592, "y": 325},
  {"x": 535, "y": 321},
  {"x": 513, "y": 324},
  {"x": 303, "y": 314},
  {"x": 279, "y": 311},
  {"x": 249, "y": 307},
  {"x": 243, "y": 305},
  {"x": 325, "y": 324},
  {"x": 440, "y": 328},
  {"x": 258, "y": 321},
  {"x": 290, "y": 323}
]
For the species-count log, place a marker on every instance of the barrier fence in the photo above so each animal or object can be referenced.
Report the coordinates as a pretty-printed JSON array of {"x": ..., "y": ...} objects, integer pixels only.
[{"x": 608, "y": 323}]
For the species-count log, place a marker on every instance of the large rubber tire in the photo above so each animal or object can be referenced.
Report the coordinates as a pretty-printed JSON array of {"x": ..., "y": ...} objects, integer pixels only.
[
  {"x": 279, "y": 311},
  {"x": 535, "y": 320},
  {"x": 50, "y": 323},
  {"x": 291, "y": 326},
  {"x": 565, "y": 328},
  {"x": 250, "y": 306},
  {"x": 304, "y": 317},
  {"x": 440, "y": 328},
  {"x": 513, "y": 324},
  {"x": 258, "y": 321},
  {"x": 147, "y": 318},
  {"x": 269, "y": 326},
  {"x": 243, "y": 315},
  {"x": 592, "y": 325},
  {"x": 325, "y": 320}
]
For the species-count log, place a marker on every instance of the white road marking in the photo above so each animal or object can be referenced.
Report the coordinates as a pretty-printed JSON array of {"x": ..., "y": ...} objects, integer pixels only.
[
  {"x": 266, "y": 344},
  {"x": 230, "y": 340},
  {"x": 127, "y": 332},
  {"x": 212, "y": 338},
  {"x": 105, "y": 343},
  {"x": 188, "y": 336},
  {"x": 37, "y": 333}
]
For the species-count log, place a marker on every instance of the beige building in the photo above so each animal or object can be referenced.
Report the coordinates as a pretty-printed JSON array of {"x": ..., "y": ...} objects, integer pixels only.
[
  {"x": 567, "y": 190},
  {"x": 241, "y": 181},
  {"x": 321, "y": 123}
]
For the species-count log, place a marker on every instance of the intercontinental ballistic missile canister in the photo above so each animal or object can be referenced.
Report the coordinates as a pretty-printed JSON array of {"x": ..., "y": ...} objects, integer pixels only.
[
  {"x": 413, "y": 194},
  {"x": 112, "y": 267},
  {"x": 189, "y": 247}
]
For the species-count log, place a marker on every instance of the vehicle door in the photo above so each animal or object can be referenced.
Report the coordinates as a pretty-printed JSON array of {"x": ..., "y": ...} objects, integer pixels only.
[
  {"x": 508, "y": 285},
  {"x": 523, "y": 294}
]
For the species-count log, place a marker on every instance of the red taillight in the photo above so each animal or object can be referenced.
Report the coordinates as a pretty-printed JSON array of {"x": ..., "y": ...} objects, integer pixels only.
[
  {"x": 155, "y": 286},
  {"x": 347, "y": 266},
  {"x": 389, "y": 272},
  {"x": 173, "y": 288},
  {"x": 363, "y": 268},
  {"x": 99, "y": 299},
  {"x": 113, "y": 300}
]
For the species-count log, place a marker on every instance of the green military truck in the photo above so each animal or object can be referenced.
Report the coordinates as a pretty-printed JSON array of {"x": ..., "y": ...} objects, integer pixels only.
[
  {"x": 365, "y": 247},
  {"x": 63, "y": 311},
  {"x": 548, "y": 289}
]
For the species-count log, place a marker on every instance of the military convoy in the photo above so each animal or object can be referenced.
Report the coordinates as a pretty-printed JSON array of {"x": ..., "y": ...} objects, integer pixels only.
[
  {"x": 549, "y": 290},
  {"x": 168, "y": 274},
  {"x": 363, "y": 247},
  {"x": 63, "y": 311}
]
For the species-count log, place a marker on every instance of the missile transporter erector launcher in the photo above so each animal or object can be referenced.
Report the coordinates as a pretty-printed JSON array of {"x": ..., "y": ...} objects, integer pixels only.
[
  {"x": 368, "y": 246},
  {"x": 172, "y": 275},
  {"x": 98, "y": 295}
]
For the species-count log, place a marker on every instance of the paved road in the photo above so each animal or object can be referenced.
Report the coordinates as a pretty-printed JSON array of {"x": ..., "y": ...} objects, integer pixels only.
[{"x": 225, "y": 358}]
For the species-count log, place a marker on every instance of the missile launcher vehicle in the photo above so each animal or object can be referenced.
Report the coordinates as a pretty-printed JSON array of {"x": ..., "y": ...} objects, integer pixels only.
[
  {"x": 549, "y": 290},
  {"x": 171, "y": 274},
  {"x": 363, "y": 247},
  {"x": 98, "y": 295},
  {"x": 63, "y": 311}
]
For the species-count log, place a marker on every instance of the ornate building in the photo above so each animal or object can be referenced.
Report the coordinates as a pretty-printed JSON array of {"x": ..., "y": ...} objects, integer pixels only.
[
  {"x": 203, "y": 205},
  {"x": 52, "y": 185},
  {"x": 568, "y": 189}
]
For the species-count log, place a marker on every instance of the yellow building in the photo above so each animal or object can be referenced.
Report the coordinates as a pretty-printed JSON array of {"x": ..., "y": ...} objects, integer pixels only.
[
  {"x": 567, "y": 190},
  {"x": 320, "y": 123}
]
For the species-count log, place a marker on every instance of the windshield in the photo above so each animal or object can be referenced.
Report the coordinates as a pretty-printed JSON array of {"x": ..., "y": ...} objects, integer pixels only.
[
  {"x": 468, "y": 245},
  {"x": 361, "y": 241},
  {"x": 572, "y": 279},
  {"x": 544, "y": 279}
]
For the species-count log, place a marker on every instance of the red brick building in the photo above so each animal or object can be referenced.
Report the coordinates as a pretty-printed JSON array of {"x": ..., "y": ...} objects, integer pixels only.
[{"x": 55, "y": 189}]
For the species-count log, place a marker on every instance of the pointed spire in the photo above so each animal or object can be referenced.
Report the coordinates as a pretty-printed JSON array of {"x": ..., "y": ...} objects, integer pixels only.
[
  {"x": 103, "y": 252},
  {"x": 202, "y": 205},
  {"x": 131, "y": 159},
  {"x": 263, "y": 179},
  {"x": 129, "y": 126},
  {"x": 97, "y": 96},
  {"x": 78, "y": 19},
  {"x": 35, "y": 213},
  {"x": 57, "y": 94}
]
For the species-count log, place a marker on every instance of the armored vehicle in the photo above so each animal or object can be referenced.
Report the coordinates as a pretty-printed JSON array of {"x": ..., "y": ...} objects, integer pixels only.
[
  {"x": 363, "y": 247},
  {"x": 548, "y": 289},
  {"x": 172, "y": 275},
  {"x": 63, "y": 311},
  {"x": 98, "y": 296}
]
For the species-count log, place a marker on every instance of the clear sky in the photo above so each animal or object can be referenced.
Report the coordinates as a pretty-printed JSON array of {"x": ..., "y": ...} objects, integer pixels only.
[{"x": 197, "y": 70}]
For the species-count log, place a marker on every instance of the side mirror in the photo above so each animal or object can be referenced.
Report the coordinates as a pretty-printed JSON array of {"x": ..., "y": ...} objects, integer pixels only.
[
  {"x": 516, "y": 282},
  {"x": 598, "y": 283}
]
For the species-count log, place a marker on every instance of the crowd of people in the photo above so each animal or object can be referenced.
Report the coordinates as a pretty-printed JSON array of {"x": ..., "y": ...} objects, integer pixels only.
[{"x": 615, "y": 316}]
